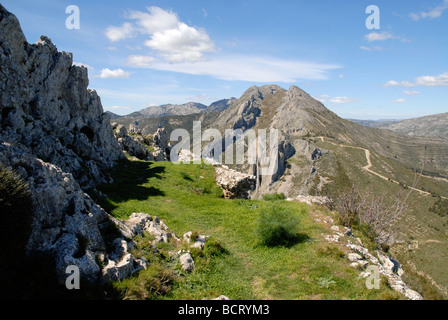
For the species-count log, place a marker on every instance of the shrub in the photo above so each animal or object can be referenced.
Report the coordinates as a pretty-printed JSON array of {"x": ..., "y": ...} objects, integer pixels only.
[
  {"x": 150, "y": 284},
  {"x": 274, "y": 196},
  {"x": 278, "y": 226},
  {"x": 214, "y": 248},
  {"x": 15, "y": 211}
]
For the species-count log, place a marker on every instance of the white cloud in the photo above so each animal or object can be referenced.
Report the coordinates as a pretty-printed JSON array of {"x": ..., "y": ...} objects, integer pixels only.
[
  {"x": 157, "y": 20},
  {"x": 411, "y": 93},
  {"x": 80, "y": 64},
  {"x": 107, "y": 73},
  {"x": 140, "y": 61},
  {"x": 171, "y": 38},
  {"x": 432, "y": 14},
  {"x": 391, "y": 83},
  {"x": 424, "y": 81},
  {"x": 433, "y": 81},
  {"x": 251, "y": 68},
  {"x": 325, "y": 98},
  {"x": 374, "y": 48},
  {"x": 183, "y": 43},
  {"x": 399, "y": 101},
  {"x": 375, "y": 36},
  {"x": 119, "y": 33}
]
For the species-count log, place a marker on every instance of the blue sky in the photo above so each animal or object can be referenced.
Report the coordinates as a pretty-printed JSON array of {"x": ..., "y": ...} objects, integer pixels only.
[{"x": 143, "y": 53}]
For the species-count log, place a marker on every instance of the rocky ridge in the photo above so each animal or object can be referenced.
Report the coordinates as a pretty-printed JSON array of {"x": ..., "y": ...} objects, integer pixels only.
[
  {"x": 56, "y": 136},
  {"x": 47, "y": 108},
  {"x": 143, "y": 147},
  {"x": 361, "y": 258}
]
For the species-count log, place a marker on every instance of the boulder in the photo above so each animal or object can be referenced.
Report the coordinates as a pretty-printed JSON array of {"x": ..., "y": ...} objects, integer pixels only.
[
  {"x": 235, "y": 185},
  {"x": 187, "y": 262}
]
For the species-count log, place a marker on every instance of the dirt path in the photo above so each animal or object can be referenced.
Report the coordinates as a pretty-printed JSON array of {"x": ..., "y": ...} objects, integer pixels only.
[{"x": 369, "y": 165}]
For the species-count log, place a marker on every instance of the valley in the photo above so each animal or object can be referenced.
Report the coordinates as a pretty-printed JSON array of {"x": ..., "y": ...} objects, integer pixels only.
[{"x": 104, "y": 197}]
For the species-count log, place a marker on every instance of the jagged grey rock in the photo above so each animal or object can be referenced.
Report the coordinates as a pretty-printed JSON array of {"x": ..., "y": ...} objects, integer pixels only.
[
  {"x": 139, "y": 146},
  {"x": 47, "y": 108},
  {"x": 233, "y": 183},
  {"x": 187, "y": 262},
  {"x": 140, "y": 223}
]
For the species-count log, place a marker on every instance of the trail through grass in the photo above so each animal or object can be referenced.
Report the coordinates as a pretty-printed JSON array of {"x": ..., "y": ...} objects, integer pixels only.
[{"x": 187, "y": 198}]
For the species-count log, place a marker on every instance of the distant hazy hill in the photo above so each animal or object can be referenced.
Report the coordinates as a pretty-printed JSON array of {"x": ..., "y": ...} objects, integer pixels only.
[
  {"x": 374, "y": 123},
  {"x": 434, "y": 125},
  {"x": 169, "y": 109},
  {"x": 113, "y": 115},
  {"x": 180, "y": 109}
]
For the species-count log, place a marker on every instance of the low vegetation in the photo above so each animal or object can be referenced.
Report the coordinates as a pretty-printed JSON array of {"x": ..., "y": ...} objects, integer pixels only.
[
  {"x": 257, "y": 249},
  {"x": 15, "y": 212},
  {"x": 278, "y": 226}
]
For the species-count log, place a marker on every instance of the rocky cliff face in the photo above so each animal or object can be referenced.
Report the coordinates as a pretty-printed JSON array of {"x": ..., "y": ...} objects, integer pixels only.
[
  {"x": 55, "y": 135},
  {"x": 47, "y": 109},
  {"x": 290, "y": 112}
]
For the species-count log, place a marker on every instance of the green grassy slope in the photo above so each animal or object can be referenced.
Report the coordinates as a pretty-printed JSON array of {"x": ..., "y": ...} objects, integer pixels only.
[
  {"x": 423, "y": 235},
  {"x": 187, "y": 199}
]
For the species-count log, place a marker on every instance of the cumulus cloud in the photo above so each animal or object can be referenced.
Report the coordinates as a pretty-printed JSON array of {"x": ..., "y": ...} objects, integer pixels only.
[
  {"x": 433, "y": 81},
  {"x": 375, "y": 36},
  {"x": 431, "y": 14},
  {"x": 440, "y": 80},
  {"x": 119, "y": 33},
  {"x": 391, "y": 83},
  {"x": 399, "y": 101},
  {"x": 178, "y": 47},
  {"x": 107, "y": 73},
  {"x": 172, "y": 39},
  {"x": 140, "y": 61}
]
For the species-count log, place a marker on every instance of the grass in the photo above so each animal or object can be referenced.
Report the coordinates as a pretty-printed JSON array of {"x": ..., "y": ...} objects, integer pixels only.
[
  {"x": 418, "y": 224},
  {"x": 234, "y": 261}
]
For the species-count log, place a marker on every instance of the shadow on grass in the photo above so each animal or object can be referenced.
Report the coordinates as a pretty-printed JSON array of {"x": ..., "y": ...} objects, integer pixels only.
[
  {"x": 288, "y": 241},
  {"x": 128, "y": 179}
]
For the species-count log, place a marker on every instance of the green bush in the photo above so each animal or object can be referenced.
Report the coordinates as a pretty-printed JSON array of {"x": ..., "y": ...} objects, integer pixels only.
[
  {"x": 214, "y": 248},
  {"x": 278, "y": 226},
  {"x": 274, "y": 196},
  {"x": 440, "y": 207}
]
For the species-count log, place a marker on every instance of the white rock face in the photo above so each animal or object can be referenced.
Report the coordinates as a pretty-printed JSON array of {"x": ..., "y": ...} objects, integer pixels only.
[
  {"x": 233, "y": 183},
  {"x": 55, "y": 134},
  {"x": 187, "y": 262},
  {"x": 47, "y": 108}
]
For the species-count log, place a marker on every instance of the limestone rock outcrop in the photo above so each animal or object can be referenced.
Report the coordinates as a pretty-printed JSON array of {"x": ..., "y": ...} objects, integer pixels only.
[
  {"x": 56, "y": 136},
  {"x": 46, "y": 106},
  {"x": 235, "y": 185},
  {"x": 155, "y": 147}
]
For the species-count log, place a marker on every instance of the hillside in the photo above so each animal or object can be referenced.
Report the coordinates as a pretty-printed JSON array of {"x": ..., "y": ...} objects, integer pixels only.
[
  {"x": 139, "y": 229},
  {"x": 429, "y": 126},
  {"x": 169, "y": 109},
  {"x": 322, "y": 154},
  {"x": 233, "y": 261},
  {"x": 373, "y": 123}
]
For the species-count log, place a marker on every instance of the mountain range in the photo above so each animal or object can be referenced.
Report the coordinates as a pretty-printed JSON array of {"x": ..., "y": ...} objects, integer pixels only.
[
  {"x": 323, "y": 154},
  {"x": 56, "y": 137},
  {"x": 435, "y": 125}
]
